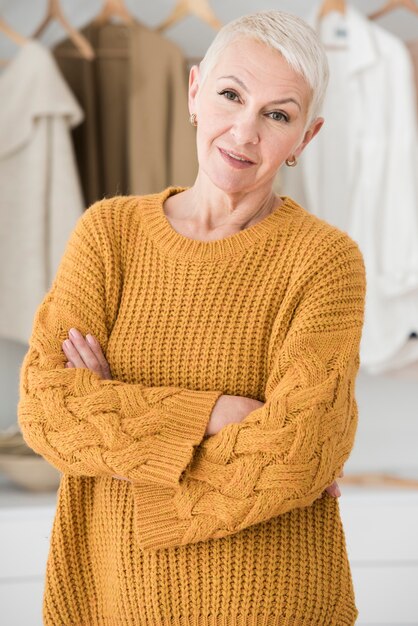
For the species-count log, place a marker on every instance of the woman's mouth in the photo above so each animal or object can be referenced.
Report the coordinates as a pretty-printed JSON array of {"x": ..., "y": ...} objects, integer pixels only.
[{"x": 237, "y": 161}]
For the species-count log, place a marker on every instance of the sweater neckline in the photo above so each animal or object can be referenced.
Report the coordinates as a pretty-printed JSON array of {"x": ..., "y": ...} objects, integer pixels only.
[{"x": 177, "y": 245}]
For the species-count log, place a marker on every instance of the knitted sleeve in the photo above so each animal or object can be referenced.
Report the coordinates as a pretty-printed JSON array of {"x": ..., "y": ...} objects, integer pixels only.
[
  {"x": 284, "y": 454},
  {"x": 80, "y": 423}
]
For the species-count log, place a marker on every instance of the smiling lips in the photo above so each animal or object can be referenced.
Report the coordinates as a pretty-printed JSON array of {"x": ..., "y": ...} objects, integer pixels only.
[{"x": 238, "y": 161}]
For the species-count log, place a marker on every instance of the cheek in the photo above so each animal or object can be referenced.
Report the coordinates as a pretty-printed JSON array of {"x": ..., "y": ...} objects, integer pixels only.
[
  {"x": 213, "y": 111},
  {"x": 211, "y": 127},
  {"x": 280, "y": 144},
  {"x": 214, "y": 118},
  {"x": 275, "y": 149}
]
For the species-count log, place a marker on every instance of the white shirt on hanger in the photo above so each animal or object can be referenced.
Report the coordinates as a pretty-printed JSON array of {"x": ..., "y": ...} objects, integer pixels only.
[
  {"x": 361, "y": 174},
  {"x": 40, "y": 193}
]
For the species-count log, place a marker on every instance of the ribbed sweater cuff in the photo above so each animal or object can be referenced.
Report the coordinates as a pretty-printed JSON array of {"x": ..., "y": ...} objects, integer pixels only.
[
  {"x": 183, "y": 417},
  {"x": 157, "y": 524}
]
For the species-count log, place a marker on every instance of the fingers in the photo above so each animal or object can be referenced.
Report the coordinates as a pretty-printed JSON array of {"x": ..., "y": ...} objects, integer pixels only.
[
  {"x": 333, "y": 490},
  {"x": 97, "y": 350},
  {"x": 74, "y": 353},
  {"x": 85, "y": 353}
]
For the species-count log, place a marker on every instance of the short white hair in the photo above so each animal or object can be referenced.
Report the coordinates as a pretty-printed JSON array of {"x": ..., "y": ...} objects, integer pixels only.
[{"x": 290, "y": 35}]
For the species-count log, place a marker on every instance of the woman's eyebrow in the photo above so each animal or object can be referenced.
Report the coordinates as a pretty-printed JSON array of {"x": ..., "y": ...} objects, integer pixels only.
[
  {"x": 245, "y": 88},
  {"x": 238, "y": 80}
]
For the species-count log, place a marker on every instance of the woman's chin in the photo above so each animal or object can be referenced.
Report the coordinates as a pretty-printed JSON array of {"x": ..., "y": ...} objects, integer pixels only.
[{"x": 233, "y": 184}]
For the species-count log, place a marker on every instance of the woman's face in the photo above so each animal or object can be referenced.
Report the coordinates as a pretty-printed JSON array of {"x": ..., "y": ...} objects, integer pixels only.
[{"x": 254, "y": 105}]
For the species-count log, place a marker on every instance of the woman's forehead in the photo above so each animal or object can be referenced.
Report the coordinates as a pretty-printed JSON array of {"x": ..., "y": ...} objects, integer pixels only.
[
  {"x": 264, "y": 67},
  {"x": 246, "y": 56}
]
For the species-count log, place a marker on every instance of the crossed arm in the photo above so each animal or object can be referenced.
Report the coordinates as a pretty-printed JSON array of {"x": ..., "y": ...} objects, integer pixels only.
[
  {"x": 86, "y": 352},
  {"x": 280, "y": 456}
]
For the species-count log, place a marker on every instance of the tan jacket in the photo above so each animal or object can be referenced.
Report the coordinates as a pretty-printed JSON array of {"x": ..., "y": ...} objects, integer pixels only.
[{"x": 136, "y": 138}]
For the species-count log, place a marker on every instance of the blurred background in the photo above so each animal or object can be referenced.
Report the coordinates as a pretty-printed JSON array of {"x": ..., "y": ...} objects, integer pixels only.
[{"x": 85, "y": 87}]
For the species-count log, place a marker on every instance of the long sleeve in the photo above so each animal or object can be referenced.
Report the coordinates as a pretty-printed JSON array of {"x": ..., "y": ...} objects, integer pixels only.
[
  {"x": 284, "y": 454},
  {"x": 81, "y": 424}
]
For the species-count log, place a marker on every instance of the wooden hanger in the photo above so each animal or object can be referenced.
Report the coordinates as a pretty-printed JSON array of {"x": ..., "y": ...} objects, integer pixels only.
[
  {"x": 332, "y": 5},
  {"x": 55, "y": 13},
  {"x": 16, "y": 37},
  {"x": 200, "y": 8},
  {"x": 410, "y": 5},
  {"x": 114, "y": 8}
]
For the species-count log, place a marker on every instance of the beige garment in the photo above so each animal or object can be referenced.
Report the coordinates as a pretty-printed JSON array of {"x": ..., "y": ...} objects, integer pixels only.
[
  {"x": 136, "y": 138},
  {"x": 413, "y": 49},
  {"x": 40, "y": 193}
]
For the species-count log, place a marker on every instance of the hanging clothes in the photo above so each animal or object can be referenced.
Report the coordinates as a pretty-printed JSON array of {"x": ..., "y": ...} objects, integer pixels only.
[
  {"x": 413, "y": 51},
  {"x": 136, "y": 137},
  {"x": 360, "y": 174},
  {"x": 40, "y": 192}
]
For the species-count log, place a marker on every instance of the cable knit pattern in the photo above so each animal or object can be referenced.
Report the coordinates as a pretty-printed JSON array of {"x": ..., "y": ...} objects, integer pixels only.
[{"x": 221, "y": 530}]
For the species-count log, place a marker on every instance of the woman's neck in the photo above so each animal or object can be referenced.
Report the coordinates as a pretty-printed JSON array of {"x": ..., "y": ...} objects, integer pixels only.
[{"x": 208, "y": 208}]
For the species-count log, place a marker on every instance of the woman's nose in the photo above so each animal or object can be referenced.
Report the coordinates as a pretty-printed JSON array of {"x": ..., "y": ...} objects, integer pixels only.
[{"x": 245, "y": 130}]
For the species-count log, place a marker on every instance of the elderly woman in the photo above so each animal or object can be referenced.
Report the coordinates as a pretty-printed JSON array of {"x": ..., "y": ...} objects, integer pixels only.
[{"x": 191, "y": 371}]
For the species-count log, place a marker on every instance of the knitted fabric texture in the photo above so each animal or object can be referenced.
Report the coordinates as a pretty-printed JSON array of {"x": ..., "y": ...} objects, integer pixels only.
[{"x": 222, "y": 530}]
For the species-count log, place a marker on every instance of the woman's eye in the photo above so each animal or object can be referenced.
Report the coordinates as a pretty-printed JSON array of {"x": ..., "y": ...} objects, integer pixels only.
[
  {"x": 227, "y": 93},
  {"x": 279, "y": 116}
]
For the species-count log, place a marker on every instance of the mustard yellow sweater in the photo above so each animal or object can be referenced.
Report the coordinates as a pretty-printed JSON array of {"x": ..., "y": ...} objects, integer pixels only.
[{"x": 220, "y": 530}]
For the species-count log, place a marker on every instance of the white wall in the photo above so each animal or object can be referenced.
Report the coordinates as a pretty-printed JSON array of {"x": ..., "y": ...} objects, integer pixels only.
[{"x": 388, "y": 406}]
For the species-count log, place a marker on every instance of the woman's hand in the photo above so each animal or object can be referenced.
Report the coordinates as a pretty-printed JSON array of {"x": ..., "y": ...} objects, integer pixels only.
[
  {"x": 230, "y": 410},
  {"x": 233, "y": 409},
  {"x": 86, "y": 353},
  {"x": 334, "y": 490}
]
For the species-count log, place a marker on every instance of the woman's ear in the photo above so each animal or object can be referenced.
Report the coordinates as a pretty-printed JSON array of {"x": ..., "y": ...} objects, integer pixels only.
[
  {"x": 313, "y": 130},
  {"x": 194, "y": 77}
]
